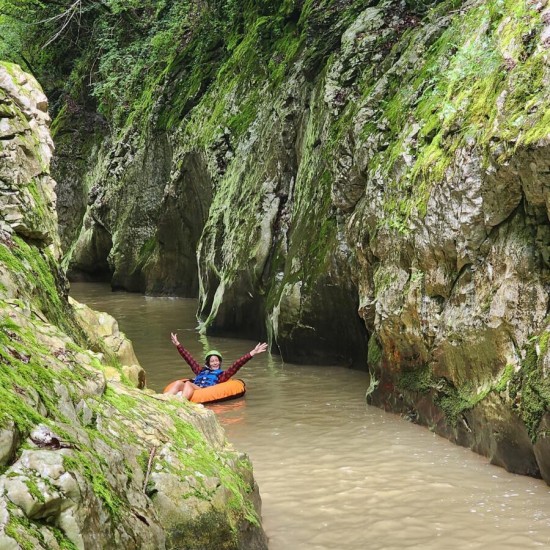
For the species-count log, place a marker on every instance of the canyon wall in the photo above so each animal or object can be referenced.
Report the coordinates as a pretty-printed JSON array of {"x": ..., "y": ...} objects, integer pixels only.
[{"x": 363, "y": 184}]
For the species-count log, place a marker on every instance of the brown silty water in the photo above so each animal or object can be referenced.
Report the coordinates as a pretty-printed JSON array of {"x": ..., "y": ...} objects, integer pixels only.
[{"x": 334, "y": 473}]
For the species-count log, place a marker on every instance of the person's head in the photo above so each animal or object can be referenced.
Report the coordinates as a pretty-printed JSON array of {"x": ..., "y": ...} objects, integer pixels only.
[{"x": 213, "y": 359}]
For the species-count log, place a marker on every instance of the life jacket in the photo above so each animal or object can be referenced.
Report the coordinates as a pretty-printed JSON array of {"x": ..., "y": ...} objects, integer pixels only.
[{"x": 207, "y": 377}]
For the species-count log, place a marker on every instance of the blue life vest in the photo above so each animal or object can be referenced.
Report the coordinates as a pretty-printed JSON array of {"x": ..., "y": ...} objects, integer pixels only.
[{"x": 207, "y": 377}]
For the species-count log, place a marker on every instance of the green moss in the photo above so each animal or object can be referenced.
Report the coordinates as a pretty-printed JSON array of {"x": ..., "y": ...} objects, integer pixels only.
[
  {"x": 505, "y": 378},
  {"x": 29, "y": 376},
  {"x": 543, "y": 342},
  {"x": 145, "y": 252},
  {"x": 452, "y": 400},
  {"x": 374, "y": 354},
  {"x": 34, "y": 490},
  {"x": 539, "y": 129},
  {"x": 39, "y": 212},
  {"x": 62, "y": 540},
  {"x": 248, "y": 110},
  {"x": 210, "y": 530},
  {"x": 383, "y": 278},
  {"x": 200, "y": 62},
  {"x": 451, "y": 98},
  {"x": 20, "y": 369},
  {"x": 531, "y": 388},
  {"x": 312, "y": 239},
  {"x": 196, "y": 456},
  {"x": 91, "y": 465},
  {"x": 143, "y": 460},
  {"x": 233, "y": 101},
  {"x": 23, "y": 531},
  {"x": 285, "y": 51},
  {"x": 40, "y": 281},
  {"x": 416, "y": 380},
  {"x": 453, "y": 406},
  {"x": 127, "y": 405}
]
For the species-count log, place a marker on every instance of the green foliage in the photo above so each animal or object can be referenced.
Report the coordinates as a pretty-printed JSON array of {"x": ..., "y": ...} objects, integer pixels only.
[
  {"x": 135, "y": 58},
  {"x": 47, "y": 38},
  {"x": 120, "y": 52}
]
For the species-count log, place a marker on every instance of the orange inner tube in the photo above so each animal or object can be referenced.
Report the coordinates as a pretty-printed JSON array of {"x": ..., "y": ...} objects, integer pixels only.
[{"x": 231, "y": 389}]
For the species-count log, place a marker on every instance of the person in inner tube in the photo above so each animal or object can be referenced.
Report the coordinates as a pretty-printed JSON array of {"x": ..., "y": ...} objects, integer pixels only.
[{"x": 210, "y": 373}]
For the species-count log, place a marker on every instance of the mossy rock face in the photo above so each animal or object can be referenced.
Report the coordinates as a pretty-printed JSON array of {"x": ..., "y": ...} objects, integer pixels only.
[
  {"x": 81, "y": 450},
  {"x": 542, "y": 447},
  {"x": 27, "y": 198},
  {"x": 90, "y": 253},
  {"x": 78, "y": 135},
  {"x": 170, "y": 264},
  {"x": 298, "y": 331},
  {"x": 146, "y": 244}
]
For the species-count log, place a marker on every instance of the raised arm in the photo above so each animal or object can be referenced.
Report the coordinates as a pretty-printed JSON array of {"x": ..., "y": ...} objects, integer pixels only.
[
  {"x": 189, "y": 359},
  {"x": 260, "y": 348},
  {"x": 226, "y": 375}
]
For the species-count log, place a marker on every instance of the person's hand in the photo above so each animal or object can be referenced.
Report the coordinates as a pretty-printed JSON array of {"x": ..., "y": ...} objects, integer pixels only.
[
  {"x": 260, "y": 348},
  {"x": 174, "y": 338}
]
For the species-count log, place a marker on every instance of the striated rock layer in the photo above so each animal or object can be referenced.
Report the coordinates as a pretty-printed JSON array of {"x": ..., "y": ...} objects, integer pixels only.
[
  {"x": 86, "y": 459},
  {"x": 364, "y": 184}
]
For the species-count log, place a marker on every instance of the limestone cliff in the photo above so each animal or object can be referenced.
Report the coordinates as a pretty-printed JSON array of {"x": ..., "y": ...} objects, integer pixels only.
[
  {"x": 363, "y": 182},
  {"x": 87, "y": 460}
]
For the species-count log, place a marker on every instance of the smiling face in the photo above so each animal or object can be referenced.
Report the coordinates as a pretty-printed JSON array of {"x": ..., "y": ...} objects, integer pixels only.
[{"x": 214, "y": 362}]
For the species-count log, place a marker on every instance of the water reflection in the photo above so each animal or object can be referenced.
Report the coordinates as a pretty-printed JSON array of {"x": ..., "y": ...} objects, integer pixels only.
[
  {"x": 233, "y": 412},
  {"x": 334, "y": 473}
]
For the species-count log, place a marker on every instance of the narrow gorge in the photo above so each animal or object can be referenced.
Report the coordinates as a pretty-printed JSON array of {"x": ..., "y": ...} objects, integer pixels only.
[{"x": 360, "y": 183}]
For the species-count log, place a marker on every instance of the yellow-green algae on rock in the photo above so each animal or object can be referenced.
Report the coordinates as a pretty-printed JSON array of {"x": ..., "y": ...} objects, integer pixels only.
[{"x": 86, "y": 462}]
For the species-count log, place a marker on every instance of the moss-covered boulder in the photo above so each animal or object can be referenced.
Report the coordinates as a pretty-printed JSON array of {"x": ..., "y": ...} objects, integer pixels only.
[{"x": 86, "y": 459}]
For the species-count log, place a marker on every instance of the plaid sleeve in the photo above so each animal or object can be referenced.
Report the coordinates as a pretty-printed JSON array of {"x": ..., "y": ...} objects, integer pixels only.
[
  {"x": 226, "y": 375},
  {"x": 189, "y": 359}
]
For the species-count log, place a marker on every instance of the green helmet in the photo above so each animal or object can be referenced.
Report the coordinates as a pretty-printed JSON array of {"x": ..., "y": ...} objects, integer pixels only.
[{"x": 212, "y": 352}]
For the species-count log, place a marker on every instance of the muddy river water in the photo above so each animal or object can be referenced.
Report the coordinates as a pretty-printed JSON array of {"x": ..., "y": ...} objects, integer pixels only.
[{"x": 334, "y": 473}]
